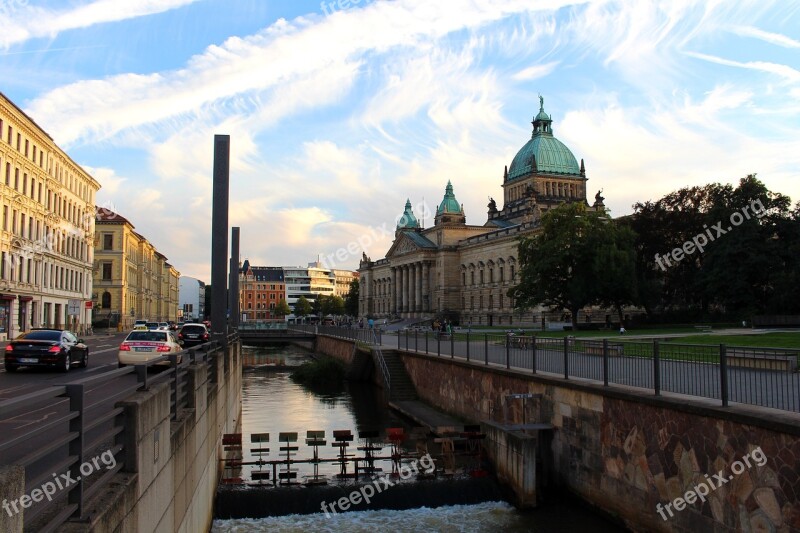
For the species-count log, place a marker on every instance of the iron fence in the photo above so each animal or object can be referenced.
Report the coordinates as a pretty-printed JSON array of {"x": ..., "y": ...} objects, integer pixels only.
[{"x": 766, "y": 377}]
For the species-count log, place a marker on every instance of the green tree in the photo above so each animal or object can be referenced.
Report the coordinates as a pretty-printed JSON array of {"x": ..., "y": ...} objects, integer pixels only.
[
  {"x": 579, "y": 258},
  {"x": 302, "y": 307},
  {"x": 331, "y": 305},
  {"x": 351, "y": 301},
  {"x": 282, "y": 309}
]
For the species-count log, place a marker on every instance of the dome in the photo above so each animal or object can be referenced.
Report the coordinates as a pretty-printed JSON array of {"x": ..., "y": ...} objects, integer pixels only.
[
  {"x": 407, "y": 219},
  {"x": 449, "y": 203},
  {"x": 543, "y": 153}
]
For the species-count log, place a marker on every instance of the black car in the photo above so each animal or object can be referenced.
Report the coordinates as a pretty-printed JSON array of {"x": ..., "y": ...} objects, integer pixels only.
[
  {"x": 192, "y": 335},
  {"x": 46, "y": 347}
]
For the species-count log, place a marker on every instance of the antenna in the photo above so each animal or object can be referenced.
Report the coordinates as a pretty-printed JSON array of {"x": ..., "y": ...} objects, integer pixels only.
[{"x": 423, "y": 212}]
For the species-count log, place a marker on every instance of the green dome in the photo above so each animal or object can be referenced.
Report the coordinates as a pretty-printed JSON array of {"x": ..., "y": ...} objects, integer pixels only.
[
  {"x": 543, "y": 153},
  {"x": 449, "y": 203},
  {"x": 407, "y": 219}
]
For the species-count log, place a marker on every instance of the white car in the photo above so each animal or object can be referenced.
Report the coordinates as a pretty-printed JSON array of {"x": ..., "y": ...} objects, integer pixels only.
[{"x": 141, "y": 346}]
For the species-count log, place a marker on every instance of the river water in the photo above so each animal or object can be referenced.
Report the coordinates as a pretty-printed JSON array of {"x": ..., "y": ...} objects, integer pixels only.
[{"x": 272, "y": 403}]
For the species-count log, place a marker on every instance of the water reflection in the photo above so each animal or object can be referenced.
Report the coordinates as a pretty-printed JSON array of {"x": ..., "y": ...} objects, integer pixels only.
[{"x": 272, "y": 403}]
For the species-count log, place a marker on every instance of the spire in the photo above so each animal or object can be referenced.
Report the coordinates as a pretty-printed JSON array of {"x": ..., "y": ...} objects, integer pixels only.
[
  {"x": 407, "y": 219},
  {"x": 505, "y": 174},
  {"x": 583, "y": 169}
]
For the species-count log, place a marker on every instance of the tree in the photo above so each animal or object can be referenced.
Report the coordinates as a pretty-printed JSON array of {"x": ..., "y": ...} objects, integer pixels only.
[
  {"x": 351, "y": 302},
  {"x": 737, "y": 248},
  {"x": 579, "y": 258},
  {"x": 302, "y": 307},
  {"x": 331, "y": 305},
  {"x": 282, "y": 309}
]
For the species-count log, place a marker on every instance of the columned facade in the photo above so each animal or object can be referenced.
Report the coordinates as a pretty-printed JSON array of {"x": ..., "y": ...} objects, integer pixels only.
[{"x": 465, "y": 273}]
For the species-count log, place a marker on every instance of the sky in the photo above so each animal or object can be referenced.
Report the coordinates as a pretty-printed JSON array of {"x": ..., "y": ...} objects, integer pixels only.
[{"x": 338, "y": 112}]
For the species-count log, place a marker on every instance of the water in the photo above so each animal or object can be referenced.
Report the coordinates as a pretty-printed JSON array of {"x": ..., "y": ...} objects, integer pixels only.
[{"x": 272, "y": 403}]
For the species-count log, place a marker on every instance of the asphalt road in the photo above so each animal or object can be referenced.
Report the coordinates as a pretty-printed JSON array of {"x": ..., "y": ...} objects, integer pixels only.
[{"x": 102, "y": 358}]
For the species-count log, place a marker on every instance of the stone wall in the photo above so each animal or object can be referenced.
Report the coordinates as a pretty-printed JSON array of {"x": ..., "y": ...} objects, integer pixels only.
[{"x": 632, "y": 453}]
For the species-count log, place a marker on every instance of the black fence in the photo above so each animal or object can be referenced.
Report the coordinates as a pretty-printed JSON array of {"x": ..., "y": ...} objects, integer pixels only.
[
  {"x": 364, "y": 335},
  {"x": 75, "y": 443},
  {"x": 766, "y": 377}
]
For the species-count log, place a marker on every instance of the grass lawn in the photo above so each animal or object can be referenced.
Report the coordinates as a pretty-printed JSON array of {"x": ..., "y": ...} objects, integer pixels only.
[{"x": 765, "y": 340}]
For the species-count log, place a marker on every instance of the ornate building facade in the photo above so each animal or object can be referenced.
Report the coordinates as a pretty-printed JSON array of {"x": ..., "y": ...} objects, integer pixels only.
[
  {"x": 464, "y": 271},
  {"x": 48, "y": 225}
]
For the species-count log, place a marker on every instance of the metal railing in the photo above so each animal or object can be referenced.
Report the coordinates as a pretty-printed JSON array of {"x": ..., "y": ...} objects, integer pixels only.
[
  {"x": 364, "y": 335},
  {"x": 82, "y": 422},
  {"x": 766, "y": 377},
  {"x": 387, "y": 376}
]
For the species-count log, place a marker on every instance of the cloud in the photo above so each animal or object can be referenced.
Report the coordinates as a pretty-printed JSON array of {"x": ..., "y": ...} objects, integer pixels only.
[
  {"x": 535, "y": 71},
  {"x": 769, "y": 37},
  {"x": 26, "y": 21},
  {"x": 784, "y": 71}
]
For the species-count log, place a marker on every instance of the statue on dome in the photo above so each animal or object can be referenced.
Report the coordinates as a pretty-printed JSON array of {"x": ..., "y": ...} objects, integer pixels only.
[
  {"x": 541, "y": 102},
  {"x": 492, "y": 204},
  {"x": 597, "y": 198}
]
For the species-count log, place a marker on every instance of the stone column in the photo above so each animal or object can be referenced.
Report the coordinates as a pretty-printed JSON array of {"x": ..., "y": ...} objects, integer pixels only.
[
  {"x": 418, "y": 287},
  {"x": 412, "y": 292},
  {"x": 395, "y": 289},
  {"x": 425, "y": 286},
  {"x": 405, "y": 288}
]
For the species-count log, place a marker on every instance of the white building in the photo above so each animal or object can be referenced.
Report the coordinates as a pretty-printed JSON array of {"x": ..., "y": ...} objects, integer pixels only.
[{"x": 192, "y": 298}]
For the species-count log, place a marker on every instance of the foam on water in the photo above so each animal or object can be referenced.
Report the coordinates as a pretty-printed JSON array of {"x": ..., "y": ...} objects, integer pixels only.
[{"x": 493, "y": 516}]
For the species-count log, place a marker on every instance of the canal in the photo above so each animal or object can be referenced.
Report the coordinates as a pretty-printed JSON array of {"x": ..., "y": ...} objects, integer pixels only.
[{"x": 272, "y": 403}]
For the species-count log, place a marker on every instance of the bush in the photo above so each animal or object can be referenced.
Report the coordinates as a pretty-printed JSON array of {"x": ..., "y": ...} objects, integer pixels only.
[{"x": 320, "y": 372}]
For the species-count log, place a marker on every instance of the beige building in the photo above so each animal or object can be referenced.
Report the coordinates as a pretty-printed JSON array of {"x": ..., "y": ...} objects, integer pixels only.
[
  {"x": 132, "y": 280},
  {"x": 48, "y": 226},
  {"x": 343, "y": 280},
  {"x": 464, "y": 272}
]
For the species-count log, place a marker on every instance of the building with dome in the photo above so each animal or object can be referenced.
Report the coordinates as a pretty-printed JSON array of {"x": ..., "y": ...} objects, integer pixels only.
[{"x": 464, "y": 271}]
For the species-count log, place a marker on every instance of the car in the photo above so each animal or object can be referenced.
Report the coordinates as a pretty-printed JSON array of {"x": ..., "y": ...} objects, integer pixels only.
[
  {"x": 46, "y": 347},
  {"x": 139, "y": 323},
  {"x": 152, "y": 326},
  {"x": 163, "y": 326},
  {"x": 142, "y": 346},
  {"x": 193, "y": 334},
  {"x": 172, "y": 325}
]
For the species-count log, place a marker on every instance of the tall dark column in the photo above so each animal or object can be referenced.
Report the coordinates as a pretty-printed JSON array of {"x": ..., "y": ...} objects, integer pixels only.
[
  {"x": 233, "y": 292},
  {"x": 219, "y": 237}
]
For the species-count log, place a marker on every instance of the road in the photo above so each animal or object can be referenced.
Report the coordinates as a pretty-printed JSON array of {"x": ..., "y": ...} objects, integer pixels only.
[{"x": 102, "y": 358}]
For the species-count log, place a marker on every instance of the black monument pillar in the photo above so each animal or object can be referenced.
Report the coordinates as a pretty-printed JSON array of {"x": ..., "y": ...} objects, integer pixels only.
[
  {"x": 219, "y": 237},
  {"x": 233, "y": 292}
]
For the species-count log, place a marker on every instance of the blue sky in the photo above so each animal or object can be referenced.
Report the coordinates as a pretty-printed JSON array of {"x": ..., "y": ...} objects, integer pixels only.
[{"x": 336, "y": 118}]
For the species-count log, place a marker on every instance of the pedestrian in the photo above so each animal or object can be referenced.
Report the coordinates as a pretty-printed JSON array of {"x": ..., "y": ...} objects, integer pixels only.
[{"x": 621, "y": 329}]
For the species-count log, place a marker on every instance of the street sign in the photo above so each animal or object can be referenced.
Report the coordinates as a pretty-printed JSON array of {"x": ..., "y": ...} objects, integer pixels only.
[{"x": 74, "y": 307}]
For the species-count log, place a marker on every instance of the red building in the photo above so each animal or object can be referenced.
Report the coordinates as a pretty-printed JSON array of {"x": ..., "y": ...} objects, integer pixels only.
[{"x": 260, "y": 291}]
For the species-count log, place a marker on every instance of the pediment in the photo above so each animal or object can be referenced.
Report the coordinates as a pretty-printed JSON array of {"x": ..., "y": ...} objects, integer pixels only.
[{"x": 402, "y": 245}]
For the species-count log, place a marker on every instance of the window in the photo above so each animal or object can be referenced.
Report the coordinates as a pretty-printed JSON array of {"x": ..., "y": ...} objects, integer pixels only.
[
  {"x": 5, "y": 218},
  {"x": 513, "y": 274},
  {"x": 481, "y": 277},
  {"x": 502, "y": 277},
  {"x": 108, "y": 241},
  {"x": 107, "y": 271},
  {"x": 106, "y": 304},
  {"x": 472, "y": 277},
  {"x": 10, "y": 134},
  {"x": 464, "y": 279},
  {"x": 8, "y": 174}
]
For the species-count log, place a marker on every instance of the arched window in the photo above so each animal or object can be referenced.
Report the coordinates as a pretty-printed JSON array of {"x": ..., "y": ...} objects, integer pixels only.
[{"x": 106, "y": 303}]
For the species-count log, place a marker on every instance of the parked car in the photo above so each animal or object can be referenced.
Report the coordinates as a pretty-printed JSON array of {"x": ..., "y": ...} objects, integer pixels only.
[
  {"x": 46, "y": 347},
  {"x": 193, "y": 334},
  {"x": 142, "y": 346}
]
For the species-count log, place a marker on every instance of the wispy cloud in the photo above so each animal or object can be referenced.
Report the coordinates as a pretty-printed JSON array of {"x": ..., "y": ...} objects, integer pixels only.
[
  {"x": 535, "y": 71},
  {"x": 26, "y": 21},
  {"x": 790, "y": 74},
  {"x": 766, "y": 36}
]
